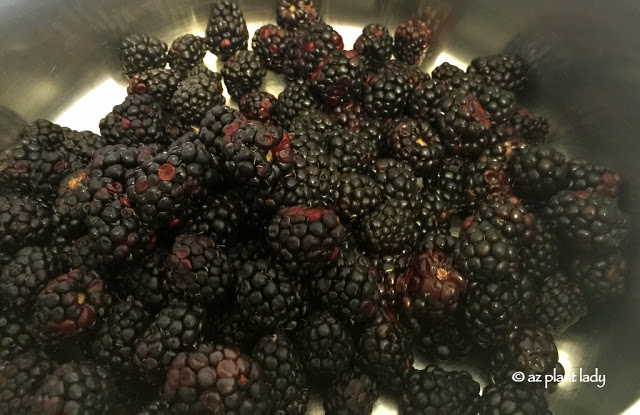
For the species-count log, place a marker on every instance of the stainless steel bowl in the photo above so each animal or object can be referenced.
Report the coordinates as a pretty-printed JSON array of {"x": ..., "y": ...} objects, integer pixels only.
[{"x": 59, "y": 60}]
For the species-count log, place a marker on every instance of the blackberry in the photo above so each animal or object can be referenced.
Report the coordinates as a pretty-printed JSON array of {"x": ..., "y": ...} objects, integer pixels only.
[
  {"x": 584, "y": 175},
  {"x": 115, "y": 340},
  {"x": 79, "y": 147},
  {"x": 26, "y": 274},
  {"x": 449, "y": 180},
  {"x": 325, "y": 344},
  {"x": 434, "y": 216},
  {"x": 230, "y": 328},
  {"x": 354, "y": 152},
  {"x": 434, "y": 390},
  {"x": 504, "y": 143},
  {"x": 186, "y": 52},
  {"x": 271, "y": 43},
  {"x": 352, "y": 393},
  {"x": 601, "y": 279},
  {"x": 510, "y": 398},
  {"x": 592, "y": 223},
  {"x": 444, "y": 340},
  {"x": 445, "y": 71},
  {"x": 358, "y": 195},
  {"x": 198, "y": 270},
  {"x": 19, "y": 379},
  {"x": 397, "y": 179},
  {"x": 216, "y": 379},
  {"x": 538, "y": 172},
  {"x": 384, "y": 351},
  {"x": 424, "y": 100},
  {"x": 412, "y": 39},
  {"x": 296, "y": 14},
  {"x": 16, "y": 334},
  {"x": 295, "y": 98},
  {"x": 506, "y": 71},
  {"x": 339, "y": 77},
  {"x": 351, "y": 116},
  {"x": 540, "y": 257},
  {"x": 196, "y": 95},
  {"x": 533, "y": 128},
  {"x": 486, "y": 179},
  {"x": 463, "y": 123},
  {"x": 440, "y": 238},
  {"x": 81, "y": 253},
  {"x": 390, "y": 227},
  {"x": 136, "y": 121},
  {"x": 416, "y": 143},
  {"x": 141, "y": 52},
  {"x": 226, "y": 30},
  {"x": 313, "y": 120},
  {"x": 499, "y": 104},
  {"x": 528, "y": 350},
  {"x": 115, "y": 163},
  {"x": 23, "y": 221},
  {"x": 212, "y": 128},
  {"x": 258, "y": 106},
  {"x": 243, "y": 73},
  {"x": 70, "y": 305},
  {"x": 375, "y": 45},
  {"x": 173, "y": 129},
  {"x": 219, "y": 218},
  {"x": 283, "y": 370},
  {"x": 385, "y": 93},
  {"x": 78, "y": 387},
  {"x": 509, "y": 217},
  {"x": 415, "y": 76},
  {"x": 176, "y": 328},
  {"x": 269, "y": 298},
  {"x": 313, "y": 45},
  {"x": 160, "y": 83},
  {"x": 562, "y": 304}
]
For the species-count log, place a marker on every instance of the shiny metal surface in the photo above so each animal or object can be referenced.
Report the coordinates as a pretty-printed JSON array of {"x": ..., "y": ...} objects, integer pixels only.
[{"x": 59, "y": 60}]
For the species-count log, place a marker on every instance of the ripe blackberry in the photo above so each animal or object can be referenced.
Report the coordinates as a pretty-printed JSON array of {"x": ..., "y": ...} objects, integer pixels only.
[
  {"x": 213, "y": 126},
  {"x": 283, "y": 370},
  {"x": 412, "y": 39},
  {"x": 243, "y": 73},
  {"x": 533, "y": 128},
  {"x": 23, "y": 221},
  {"x": 384, "y": 351},
  {"x": 16, "y": 334},
  {"x": 486, "y": 179},
  {"x": 385, "y": 93},
  {"x": 80, "y": 253},
  {"x": 352, "y": 393},
  {"x": 339, "y": 77},
  {"x": 449, "y": 179},
  {"x": 446, "y": 71},
  {"x": 561, "y": 304},
  {"x": 77, "y": 387},
  {"x": 499, "y": 104},
  {"x": 527, "y": 350},
  {"x": 416, "y": 143},
  {"x": 312, "y": 46},
  {"x": 219, "y": 218},
  {"x": 358, "y": 195},
  {"x": 444, "y": 340},
  {"x": 26, "y": 274},
  {"x": 269, "y": 297},
  {"x": 510, "y": 398},
  {"x": 375, "y": 45},
  {"x": 186, "y": 52},
  {"x": 140, "y": 52},
  {"x": 592, "y": 223},
  {"x": 295, "y": 98},
  {"x": 508, "y": 215},
  {"x": 144, "y": 280},
  {"x": 271, "y": 43},
  {"x": 313, "y": 120},
  {"x": 601, "y": 279},
  {"x": 351, "y": 116},
  {"x": 196, "y": 95},
  {"x": 325, "y": 345},
  {"x": 540, "y": 257},
  {"x": 584, "y": 175},
  {"x": 415, "y": 76},
  {"x": 216, "y": 379},
  {"x": 354, "y": 152},
  {"x": 70, "y": 305},
  {"x": 258, "y": 106},
  {"x": 397, "y": 179},
  {"x": 296, "y": 14},
  {"x": 136, "y": 121},
  {"x": 230, "y": 328},
  {"x": 390, "y": 227},
  {"x": 159, "y": 83},
  {"x": 226, "y": 30},
  {"x": 176, "y": 328},
  {"x": 434, "y": 390},
  {"x": 424, "y": 100},
  {"x": 538, "y": 172},
  {"x": 19, "y": 379},
  {"x": 504, "y": 143},
  {"x": 434, "y": 217},
  {"x": 506, "y": 71}
]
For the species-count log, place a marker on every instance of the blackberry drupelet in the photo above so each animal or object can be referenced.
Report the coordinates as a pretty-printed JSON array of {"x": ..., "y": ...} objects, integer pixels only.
[
  {"x": 339, "y": 77},
  {"x": 436, "y": 391},
  {"x": 283, "y": 370},
  {"x": 258, "y": 106},
  {"x": 271, "y": 43},
  {"x": 295, "y": 98},
  {"x": 226, "y": 29},
  {"x": 499, "y": 104},
  {"x": 486, "y": 179},
  {"x": 358, "y": 195},
  {"x": 508, "y": 215},
  {"x": 415, "y": 142},
  {"x": 23, "y": 221},
  {"x": 136, "y": 121},
  {"x": 312, "y": 46},
  {"x": 526, "y": 350},
  {"x": 26, "y": 274},
  {"x": 160, "y": 83},
  {"x": 540, "y": 257},
  {"x": 78, "y": 387},
  {"x": 533, "y": 128},
  {"x": 243, "y": 73},
  {"x": 506, "y": 71},
  {"x": 296, "y": 14},
  {"x": 444, "y": 341},
  {"x": 196, "y": 95},
  {"x": 390, "y": 227},
  {"x": 562, "y": 304},
  {"x": 384, "y": 351},
  {"x": 354, "y": 152},
  {"x": 584, "y": 175},
  {"x": 385, "y": 93},
  {"x": 186, "y": 52},
  {"x": 325, "y": 344},
  {"x": 510, "y": 398},
  {"x": 176, "y": 328},
  {"x": 592, "y": 223},
  {"x": 375, "y": 45},
  {"x": 352, "y": 393},
  {"x": 230, "y": 328},
  {"x": 539, "y": 172},
  {"x": 19, "y": 379},
  {"x": 445, "y": 71},
  {"x": 141, "y": 52},
  {"x": 216, "y": 379},
  {"x": 601, "y": 279},
  {"x": 424, "y": 100},
  {"x": 412, "y": 39}
]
